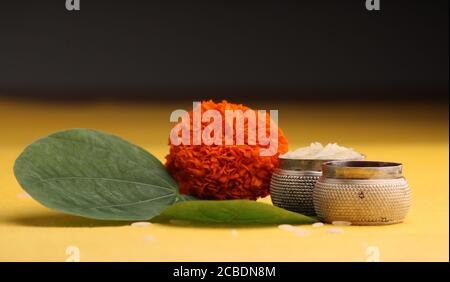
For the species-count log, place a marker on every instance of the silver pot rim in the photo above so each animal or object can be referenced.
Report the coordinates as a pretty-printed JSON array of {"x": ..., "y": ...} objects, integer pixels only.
[
  {"x": 307, "y": 164},
  {"x": 360, "y": 169}
]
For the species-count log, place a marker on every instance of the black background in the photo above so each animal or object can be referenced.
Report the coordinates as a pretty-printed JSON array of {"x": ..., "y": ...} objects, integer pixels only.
[{"x": 225, "y": 49}]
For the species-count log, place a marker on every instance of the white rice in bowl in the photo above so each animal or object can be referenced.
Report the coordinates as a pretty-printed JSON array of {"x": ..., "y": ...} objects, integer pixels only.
[{"x": 316, "y": 150}]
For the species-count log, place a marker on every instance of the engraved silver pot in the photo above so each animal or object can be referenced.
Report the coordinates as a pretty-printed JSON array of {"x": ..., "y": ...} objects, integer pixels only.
[
  {"x": 293, "y": 182},
  {"x": 362, "y": 192}
]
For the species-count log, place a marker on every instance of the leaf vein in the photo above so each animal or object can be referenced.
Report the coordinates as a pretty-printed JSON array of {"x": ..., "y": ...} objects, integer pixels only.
[
  {"x": 148, "y": 158},
  {"x": 134, "y": 203}
]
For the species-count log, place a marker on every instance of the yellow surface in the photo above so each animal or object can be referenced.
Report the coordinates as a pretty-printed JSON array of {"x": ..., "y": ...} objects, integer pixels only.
[{"x": 415, "y": 134}]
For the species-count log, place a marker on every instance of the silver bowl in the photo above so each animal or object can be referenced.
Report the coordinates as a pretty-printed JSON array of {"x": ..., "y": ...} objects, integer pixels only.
[
  {"x": 362, "y": 192},
  {"x": 293, "y": 182}
]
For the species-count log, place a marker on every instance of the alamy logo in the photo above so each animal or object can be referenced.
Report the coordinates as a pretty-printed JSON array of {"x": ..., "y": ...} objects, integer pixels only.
[
  {"x": 73, "y": 5},
  {"x": 372, "y": 5},
  {"x": 231, "y": 128}
]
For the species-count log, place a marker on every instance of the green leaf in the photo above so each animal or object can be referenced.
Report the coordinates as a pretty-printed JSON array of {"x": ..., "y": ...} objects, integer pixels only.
[
  {"x": 231, "y": 212},
  {"x": 93, "y": 174}
]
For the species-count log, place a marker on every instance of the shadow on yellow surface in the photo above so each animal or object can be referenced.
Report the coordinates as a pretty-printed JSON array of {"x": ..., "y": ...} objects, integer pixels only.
[
  {"x": 49, "y": 219},
  {"x": 60, "y": 220}
]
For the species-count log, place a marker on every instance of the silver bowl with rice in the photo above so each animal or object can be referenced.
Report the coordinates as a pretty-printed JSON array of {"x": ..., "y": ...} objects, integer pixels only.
[{"x": 293, "y": 182}]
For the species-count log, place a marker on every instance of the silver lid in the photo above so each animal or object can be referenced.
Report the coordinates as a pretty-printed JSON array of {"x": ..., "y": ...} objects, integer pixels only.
[{"x": 362, "y": 170}]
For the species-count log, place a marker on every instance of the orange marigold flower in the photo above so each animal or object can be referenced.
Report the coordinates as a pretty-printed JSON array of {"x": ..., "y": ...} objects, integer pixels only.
[{"x": 224, "y": 171}]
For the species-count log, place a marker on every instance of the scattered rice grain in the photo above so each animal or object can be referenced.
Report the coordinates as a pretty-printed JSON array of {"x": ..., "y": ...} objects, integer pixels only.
[
  {"x": 341, "y": 223},
  {"x": 294, "y": 229},
  {"x": 141, "y": 224},
  {"x": 286, "y": 227},
  {"x": 317, "y": 224}
]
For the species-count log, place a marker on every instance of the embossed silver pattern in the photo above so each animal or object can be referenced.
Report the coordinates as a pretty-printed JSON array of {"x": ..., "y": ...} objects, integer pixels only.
[
  {"x": 293, "y": 190},
  {"x": 362, "y": 201}
]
